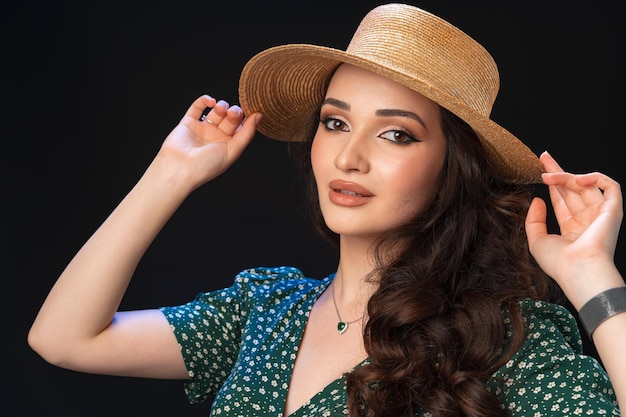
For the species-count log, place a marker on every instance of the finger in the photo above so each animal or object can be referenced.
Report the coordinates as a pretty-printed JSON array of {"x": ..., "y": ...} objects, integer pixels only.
[
  {"x": 217, "y": 113},
  {"x": 198, "y": 106},
  {"x": 565, "y": 194},
  {"x": 598, "y": 180},
  {"x": 244, "y": 133},
  {"x": 549, "y": 162},
  {"x": 584, "y": 188},
  {"x": 232, "y": 122},
  {"x": 608, "y": 188}
]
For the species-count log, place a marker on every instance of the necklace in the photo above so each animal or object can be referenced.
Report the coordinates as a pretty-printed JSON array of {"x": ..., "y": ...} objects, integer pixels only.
[{"x": 342, "y": 326}]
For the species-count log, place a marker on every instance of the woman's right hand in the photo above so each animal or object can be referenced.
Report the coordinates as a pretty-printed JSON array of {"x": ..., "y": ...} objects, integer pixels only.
[{"x": 202, "y": 148}]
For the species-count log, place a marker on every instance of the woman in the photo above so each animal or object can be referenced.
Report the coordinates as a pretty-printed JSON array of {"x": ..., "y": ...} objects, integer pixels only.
[{"x": 436, "y": 305}]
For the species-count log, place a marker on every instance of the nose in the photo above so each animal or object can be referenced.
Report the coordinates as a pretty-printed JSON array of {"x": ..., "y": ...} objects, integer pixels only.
[{"x": 354, "y": 155}]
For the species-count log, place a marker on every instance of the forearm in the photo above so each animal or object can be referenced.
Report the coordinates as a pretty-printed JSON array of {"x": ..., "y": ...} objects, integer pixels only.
[
  {"x": 609, "y": 336},
  {"x": 86, "y": 296},
  {"x": 610, "y": 341}
]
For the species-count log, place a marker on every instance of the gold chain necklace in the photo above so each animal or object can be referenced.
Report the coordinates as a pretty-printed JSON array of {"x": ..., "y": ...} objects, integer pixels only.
[{"x": 342, "y": 326}]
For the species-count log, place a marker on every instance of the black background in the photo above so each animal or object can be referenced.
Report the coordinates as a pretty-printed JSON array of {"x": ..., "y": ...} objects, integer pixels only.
[{"x": 92, "y": 88}]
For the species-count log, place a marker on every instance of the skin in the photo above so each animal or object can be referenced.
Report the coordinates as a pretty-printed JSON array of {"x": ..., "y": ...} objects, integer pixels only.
[
  {"x": 588, "y": 209},
  {"x": 78, "y": 326},
  {"x": 356, "y": 145}
]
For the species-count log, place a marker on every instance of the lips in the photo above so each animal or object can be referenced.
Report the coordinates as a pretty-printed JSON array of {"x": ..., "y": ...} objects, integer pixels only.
[{"x": 348, "y": 194}]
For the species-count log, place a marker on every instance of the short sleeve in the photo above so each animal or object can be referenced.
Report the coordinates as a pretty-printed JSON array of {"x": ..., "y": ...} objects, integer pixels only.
[
  {"x": 549, "y": 375},
  {"x": 209, "y": 329}
]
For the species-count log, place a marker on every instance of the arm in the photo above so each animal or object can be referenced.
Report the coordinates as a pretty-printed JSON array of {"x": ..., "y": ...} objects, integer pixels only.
[
  {"x": 589, "y": 212},
  {"x": 78, "y": 326}
]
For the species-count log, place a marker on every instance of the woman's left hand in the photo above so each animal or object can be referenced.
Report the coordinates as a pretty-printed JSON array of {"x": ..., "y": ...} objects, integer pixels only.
[{"x": 588, "y": 210}]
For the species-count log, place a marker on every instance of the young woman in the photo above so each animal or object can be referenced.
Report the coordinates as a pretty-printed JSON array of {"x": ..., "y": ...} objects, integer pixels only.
[{"x": 440, "y": 304}]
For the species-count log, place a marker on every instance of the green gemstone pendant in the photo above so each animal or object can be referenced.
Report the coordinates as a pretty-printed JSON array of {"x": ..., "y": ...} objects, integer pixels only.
[{"x": 342, "y": 326}]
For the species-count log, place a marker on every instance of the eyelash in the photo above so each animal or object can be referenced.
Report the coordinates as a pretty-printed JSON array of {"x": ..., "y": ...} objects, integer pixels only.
[
  {"x": 326, "y": 120},
  {"x": 409, "y": 138}
]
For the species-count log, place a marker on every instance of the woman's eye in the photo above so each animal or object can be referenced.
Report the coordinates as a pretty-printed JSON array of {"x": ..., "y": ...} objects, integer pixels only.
[
  {"x": 331, "y": 123},
  {"x": 398, "y": 136}
]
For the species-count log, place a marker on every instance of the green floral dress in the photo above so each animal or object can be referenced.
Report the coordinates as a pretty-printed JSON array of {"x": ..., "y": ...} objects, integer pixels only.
[{"x": 240, "y": 343}]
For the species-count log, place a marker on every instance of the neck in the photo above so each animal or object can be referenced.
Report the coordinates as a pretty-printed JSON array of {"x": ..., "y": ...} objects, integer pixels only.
[
  {"x": 351, "y": 294},
  {"x": 356, "y": 262},
  {"x": 351, "y": 287}
]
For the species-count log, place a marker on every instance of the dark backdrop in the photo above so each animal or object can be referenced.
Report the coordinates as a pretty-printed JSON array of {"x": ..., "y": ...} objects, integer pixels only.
[{"x": 92, "y": 88}]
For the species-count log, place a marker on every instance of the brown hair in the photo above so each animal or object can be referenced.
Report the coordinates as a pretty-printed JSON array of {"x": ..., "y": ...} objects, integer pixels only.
[{"x": 436, "y": 330}]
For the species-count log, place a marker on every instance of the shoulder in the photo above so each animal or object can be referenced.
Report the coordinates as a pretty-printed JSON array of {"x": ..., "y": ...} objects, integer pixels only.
[
  {"x": 277, "y": 282},
  {"x": 552, "y": 322},
  {"x": 551, "y": 336},
  {"x": 255, "y": 285},
  {"x": 281, "y": 277},
  {"x": 549, "y": 373},
  {"x": 269, "y": 274}
]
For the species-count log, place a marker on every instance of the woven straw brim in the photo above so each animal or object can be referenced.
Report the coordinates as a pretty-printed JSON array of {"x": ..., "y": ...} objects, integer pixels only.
[{"x": 287, "y": 84}]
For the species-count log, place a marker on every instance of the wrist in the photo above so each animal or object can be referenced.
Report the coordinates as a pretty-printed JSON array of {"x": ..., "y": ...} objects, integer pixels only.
[
  {"x": 603, "y": 306},
  {"x": 167, "y": 174}
]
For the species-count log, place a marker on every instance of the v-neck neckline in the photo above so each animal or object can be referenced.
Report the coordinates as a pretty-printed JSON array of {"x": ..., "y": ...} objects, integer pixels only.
[{"x": 337, "y": 383}]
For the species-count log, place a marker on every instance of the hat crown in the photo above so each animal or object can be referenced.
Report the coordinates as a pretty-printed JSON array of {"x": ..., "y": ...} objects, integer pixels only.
[{"x": 419, "y": 45}]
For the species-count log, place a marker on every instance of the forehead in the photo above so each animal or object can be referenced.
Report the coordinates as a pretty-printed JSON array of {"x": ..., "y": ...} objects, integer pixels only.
[{"x": 360, "y": 86}]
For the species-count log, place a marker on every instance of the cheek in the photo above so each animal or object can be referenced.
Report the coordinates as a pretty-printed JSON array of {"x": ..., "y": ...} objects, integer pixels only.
[
  {"x": 420, "y": 187},
  {"x": 318, "y": 157}
]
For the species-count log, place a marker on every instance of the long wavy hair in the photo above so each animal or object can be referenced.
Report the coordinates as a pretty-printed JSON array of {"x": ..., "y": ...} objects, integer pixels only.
[{"x": 436, "y": 331}]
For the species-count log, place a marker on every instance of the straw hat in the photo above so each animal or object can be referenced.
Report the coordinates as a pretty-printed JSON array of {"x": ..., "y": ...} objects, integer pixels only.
[{"x": 406, "y": 44}]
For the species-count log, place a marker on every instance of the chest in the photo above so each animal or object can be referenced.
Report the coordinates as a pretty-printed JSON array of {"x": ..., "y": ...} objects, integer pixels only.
[
  {"x": 291, "y": 361},
  {"x": 323, "y": 356}
]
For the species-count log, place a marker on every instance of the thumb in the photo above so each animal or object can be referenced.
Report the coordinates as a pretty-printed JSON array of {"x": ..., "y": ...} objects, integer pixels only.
[{"x": 536, "y": 226}]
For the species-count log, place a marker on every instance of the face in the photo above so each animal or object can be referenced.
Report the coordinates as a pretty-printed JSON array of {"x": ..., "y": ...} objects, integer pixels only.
[{"x": 377, "y": 153}]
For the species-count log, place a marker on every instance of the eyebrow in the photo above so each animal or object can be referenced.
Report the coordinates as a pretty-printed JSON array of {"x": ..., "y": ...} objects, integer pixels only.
[
  {"x": 382, "y": 112},
  {"x": 337, "y": 103},
  {"x": 401, "y": 113}
]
